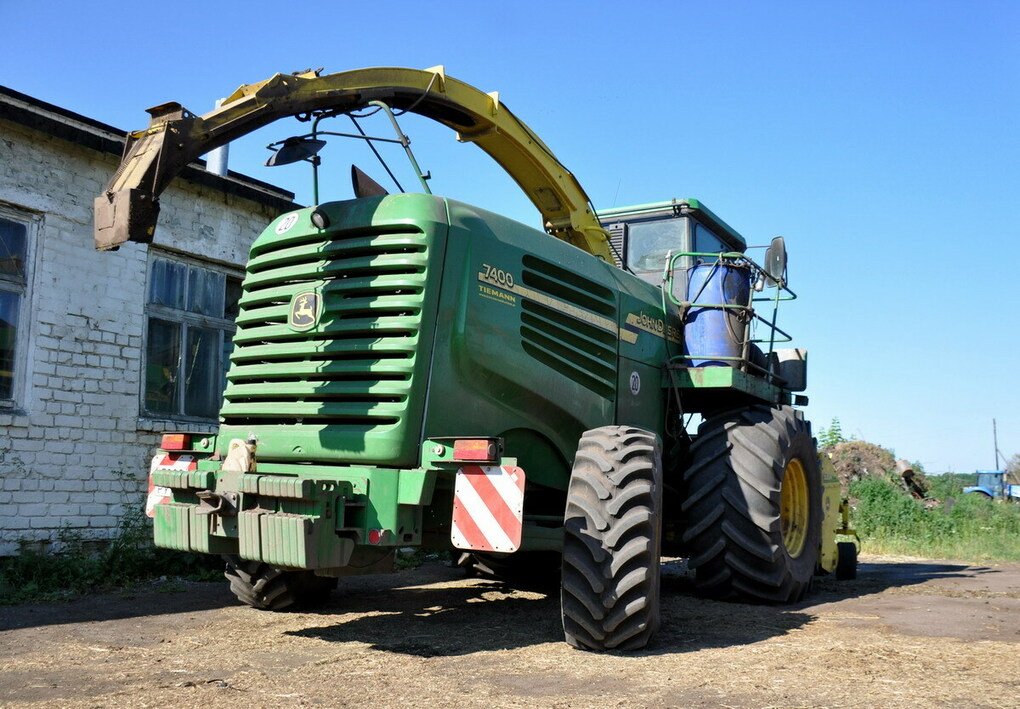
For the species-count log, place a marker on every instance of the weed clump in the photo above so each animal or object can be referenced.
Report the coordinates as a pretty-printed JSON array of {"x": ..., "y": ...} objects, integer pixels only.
[
  {"x": 79, "y": 568},
  {"x": 960, "y": 527}
]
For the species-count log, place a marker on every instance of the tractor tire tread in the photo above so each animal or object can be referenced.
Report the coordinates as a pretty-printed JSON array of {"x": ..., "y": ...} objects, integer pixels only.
[
  {"x": 265, "y": 587},
  {"x": 610, "y": 586},
  {"x": 731, "y": 505}
]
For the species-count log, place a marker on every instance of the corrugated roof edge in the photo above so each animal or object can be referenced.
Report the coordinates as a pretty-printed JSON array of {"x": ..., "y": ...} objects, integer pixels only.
[{"x": 44, "y": 117}]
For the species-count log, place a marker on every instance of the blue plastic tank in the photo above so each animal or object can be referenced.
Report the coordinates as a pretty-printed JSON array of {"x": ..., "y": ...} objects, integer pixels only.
[{"x": 713, "y": 332}]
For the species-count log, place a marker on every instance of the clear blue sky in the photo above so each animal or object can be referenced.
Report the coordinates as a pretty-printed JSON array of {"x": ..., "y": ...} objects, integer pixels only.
[{"x": 880, "y": 138}]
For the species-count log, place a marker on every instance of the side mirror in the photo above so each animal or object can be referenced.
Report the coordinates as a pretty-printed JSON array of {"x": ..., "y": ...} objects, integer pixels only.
[{"x": 775, "y": 262}]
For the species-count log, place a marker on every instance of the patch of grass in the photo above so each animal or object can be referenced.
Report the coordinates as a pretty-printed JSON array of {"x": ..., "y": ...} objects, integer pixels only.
[
  {"x": 77, "y": 570},
  {"x": 970, "y": 527},
  {"x": 950, "y": 484},
  {"x": 416, "y": 556}
]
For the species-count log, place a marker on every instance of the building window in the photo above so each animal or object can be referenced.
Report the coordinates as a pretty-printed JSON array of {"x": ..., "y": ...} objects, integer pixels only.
[
  {"x": 14, "y": 243},
  {"x": 191, "y": 311}
]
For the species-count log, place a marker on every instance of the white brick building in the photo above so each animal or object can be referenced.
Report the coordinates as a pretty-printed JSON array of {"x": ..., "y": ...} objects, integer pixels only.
[{"x": 99, "y": 352}]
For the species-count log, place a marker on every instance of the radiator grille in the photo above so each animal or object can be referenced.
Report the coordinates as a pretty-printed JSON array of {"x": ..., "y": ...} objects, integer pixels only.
[
  {"x": 354, "y": 369},
  {"x": 616, "y": 234}
]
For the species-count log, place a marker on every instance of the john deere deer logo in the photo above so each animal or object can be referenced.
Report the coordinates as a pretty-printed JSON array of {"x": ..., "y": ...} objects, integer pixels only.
[{"x": 304, "y": 310}]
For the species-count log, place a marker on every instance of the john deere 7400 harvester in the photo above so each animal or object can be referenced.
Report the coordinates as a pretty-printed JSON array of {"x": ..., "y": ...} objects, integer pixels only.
[{"x": 410, "y": 370}]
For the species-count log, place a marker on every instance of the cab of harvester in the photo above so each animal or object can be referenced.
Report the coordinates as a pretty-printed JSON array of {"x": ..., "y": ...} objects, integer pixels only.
[
  {"x": 727, "y": 297},
  {"x": 644, "y": 236}
]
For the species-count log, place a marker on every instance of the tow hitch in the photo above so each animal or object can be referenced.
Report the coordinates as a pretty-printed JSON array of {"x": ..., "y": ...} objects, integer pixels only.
[{"x": 223, "y": 504}]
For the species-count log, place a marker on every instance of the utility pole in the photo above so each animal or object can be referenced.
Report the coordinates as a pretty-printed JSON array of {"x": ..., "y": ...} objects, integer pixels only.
[{"x": 995, "y": 441}]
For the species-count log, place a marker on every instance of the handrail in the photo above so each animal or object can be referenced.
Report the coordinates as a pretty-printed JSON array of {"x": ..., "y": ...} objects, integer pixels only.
[{"x": 758, "y": 275}]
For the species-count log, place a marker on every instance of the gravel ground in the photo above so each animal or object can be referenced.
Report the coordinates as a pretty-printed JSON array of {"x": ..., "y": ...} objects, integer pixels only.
[{"x": 906, "y": 633}]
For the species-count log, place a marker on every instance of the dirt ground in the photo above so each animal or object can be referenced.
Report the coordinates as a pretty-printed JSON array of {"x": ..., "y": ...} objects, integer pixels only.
[{"x": 906, "y": 633}]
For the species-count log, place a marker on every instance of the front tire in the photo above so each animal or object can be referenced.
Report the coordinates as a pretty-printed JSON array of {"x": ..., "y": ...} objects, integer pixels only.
[
  {"x": 268, "y": 588},
  {"x": 753, "y": 508},
  {"x": 612, "y": 527}
]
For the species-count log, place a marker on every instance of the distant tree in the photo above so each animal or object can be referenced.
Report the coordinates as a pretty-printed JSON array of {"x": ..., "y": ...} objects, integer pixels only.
[
  {"x": 831, "y": 436},
  {"x": 1013, "y": 468}
]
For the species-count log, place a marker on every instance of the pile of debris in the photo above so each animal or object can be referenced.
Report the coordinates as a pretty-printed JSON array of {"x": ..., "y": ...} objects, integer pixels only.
[{"x": 856, "y": 460}]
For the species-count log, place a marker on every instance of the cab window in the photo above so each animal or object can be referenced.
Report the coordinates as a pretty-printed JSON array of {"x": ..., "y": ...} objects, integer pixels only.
[
  {"x": 649, "y": 243},
  {"x": 707, "y": 242}
]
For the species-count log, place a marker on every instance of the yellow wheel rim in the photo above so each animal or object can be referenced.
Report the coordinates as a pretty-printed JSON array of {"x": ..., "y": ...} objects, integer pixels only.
[{"x": 794, "y": 508}]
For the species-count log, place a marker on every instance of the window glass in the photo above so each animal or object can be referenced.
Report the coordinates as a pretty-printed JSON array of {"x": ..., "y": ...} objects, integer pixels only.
[
  {"x": 707, "y": 242},
  {"x": 9, "y": 306},
  {"x": 648, "y": 243},
  {"x": 167, "y": 283},
  {"x": 13, "y": 240},
  {"x": 205, "y": 292},
  {"x": 232, "y": 307},
  {"x": 162, "y": 360},
  {"x": 191, "y": 312},
  {"x": 202, "y": 373},
  {"x": 13, "y": 282}
]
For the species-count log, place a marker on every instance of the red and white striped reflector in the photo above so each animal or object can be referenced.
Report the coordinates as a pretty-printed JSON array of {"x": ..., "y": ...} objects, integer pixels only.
[
  {"x": 156, "y": 496},
  {"x": 165, "y": 461},
  {"x": 173, "y": 461},
  {"x": 488, "y": 508}
]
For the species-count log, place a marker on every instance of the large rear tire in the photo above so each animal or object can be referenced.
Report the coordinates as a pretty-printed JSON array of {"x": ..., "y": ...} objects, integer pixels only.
[
  {"x": 753, "y": 506},
  {"x": 268, "y": 588},
  {"x": 612, "y": 529}
]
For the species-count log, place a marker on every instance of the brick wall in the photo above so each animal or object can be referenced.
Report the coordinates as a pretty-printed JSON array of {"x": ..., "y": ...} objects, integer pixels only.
[{"x": 74, "y": 451}]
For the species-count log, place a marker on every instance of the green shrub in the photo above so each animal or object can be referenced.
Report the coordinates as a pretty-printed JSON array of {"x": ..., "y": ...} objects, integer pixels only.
[
  {"x": 949, "y": 485},
  {"x": 962, "y": 527}
]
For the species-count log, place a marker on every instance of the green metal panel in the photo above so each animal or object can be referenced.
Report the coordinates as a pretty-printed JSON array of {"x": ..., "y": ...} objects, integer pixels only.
[
  {"x": 172, "y": 526},
  {"x": 249, "y": 535},
  {"x": 527, "y": 342},
  {"x": 415, "y": 487},
  {"x": 291, "y": 540},
  {"x": 647, "y": 339},
  {"x": 347, "y": 384},
  {"x": 642, "y": 397},
  {"x": 183, "y": 479},
  {"x": 178, "y": 526},
  {"x": 715, "y": 381}
]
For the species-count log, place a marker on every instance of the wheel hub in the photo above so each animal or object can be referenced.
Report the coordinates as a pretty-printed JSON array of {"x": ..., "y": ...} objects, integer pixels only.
[{"x": 794, "y": 508}]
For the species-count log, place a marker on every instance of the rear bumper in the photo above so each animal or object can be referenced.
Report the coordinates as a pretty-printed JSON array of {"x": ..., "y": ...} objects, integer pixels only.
[{"x": 309, "y": 522}]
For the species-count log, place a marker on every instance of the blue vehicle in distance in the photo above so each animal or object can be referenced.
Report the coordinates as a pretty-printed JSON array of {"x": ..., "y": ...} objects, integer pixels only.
[{"x": 996, "y": 485}]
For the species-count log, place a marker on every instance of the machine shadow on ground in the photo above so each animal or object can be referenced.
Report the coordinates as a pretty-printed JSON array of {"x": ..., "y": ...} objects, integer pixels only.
[
  {"x": 419, "y": 612},
  {"x": 149, "y": 599},
  {"x": 437, "y": 620},
  {"x": 489, "y": 615}
]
